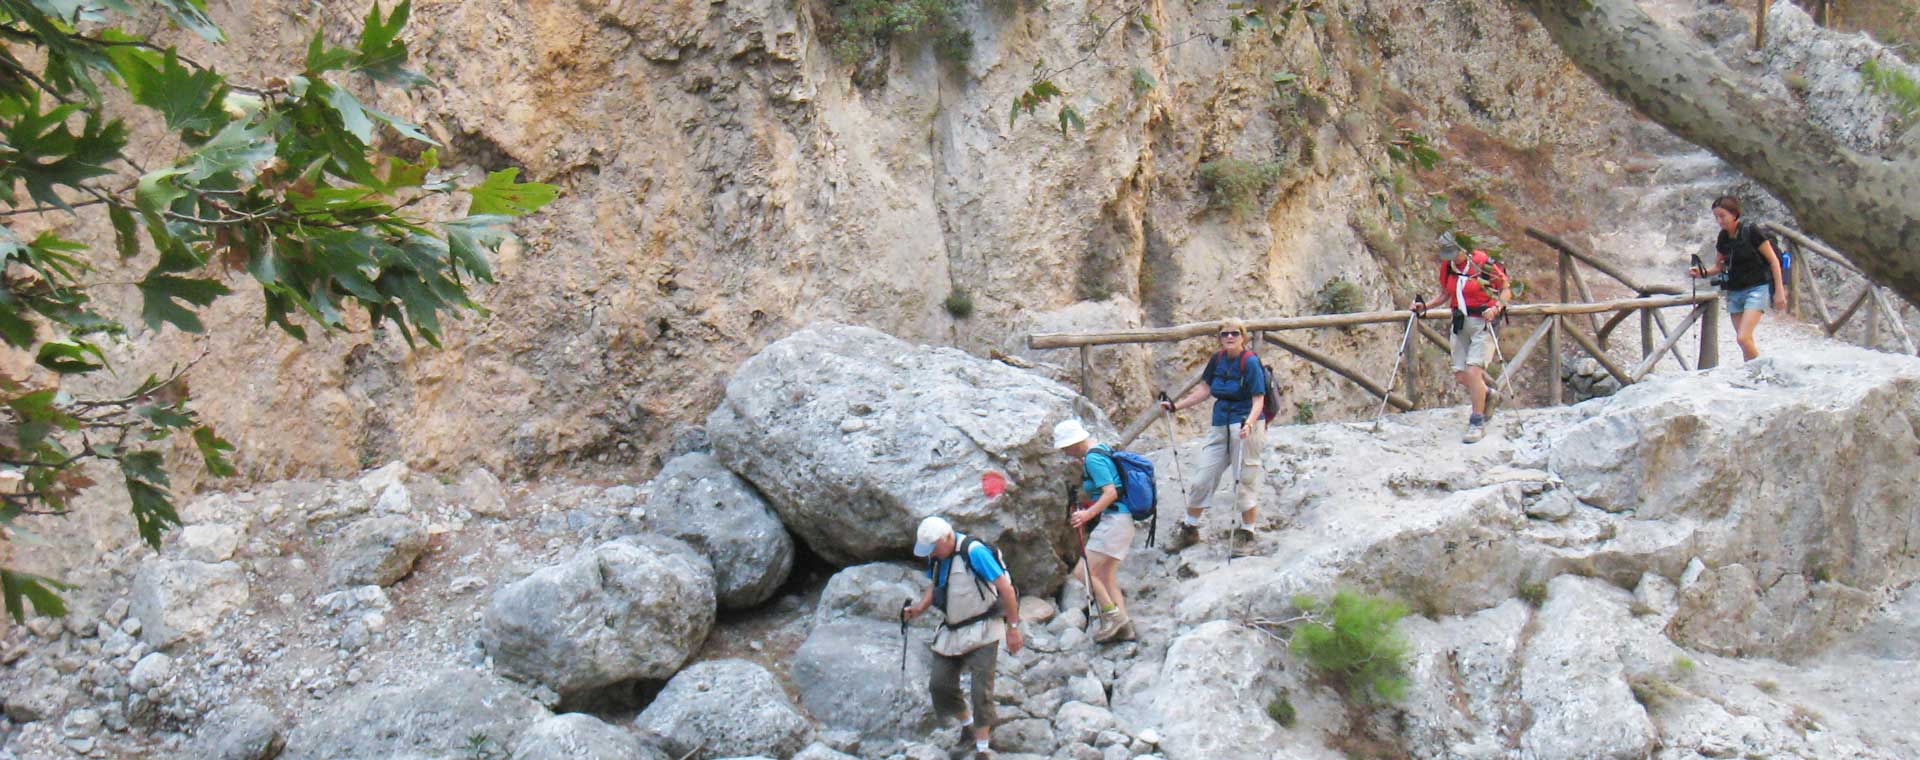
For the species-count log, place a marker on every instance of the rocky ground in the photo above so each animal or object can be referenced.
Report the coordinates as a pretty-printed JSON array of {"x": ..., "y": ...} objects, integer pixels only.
[{"x": 1709, "y": 564}]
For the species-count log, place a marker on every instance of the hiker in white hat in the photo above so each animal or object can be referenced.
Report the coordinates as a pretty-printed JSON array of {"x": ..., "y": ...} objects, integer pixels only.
[
  {"x": 1112, "y": 527},
  {"x": 979, "y": 610}
]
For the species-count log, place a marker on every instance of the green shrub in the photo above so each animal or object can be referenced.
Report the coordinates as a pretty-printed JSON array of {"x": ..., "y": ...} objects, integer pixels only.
[
  {"x": 1534, "y": 594},
  {"x": 1237, "y": 185},
  {"x": 1281, "y": 710},
  {"x": 960, "y": 303},
  {"x": 1652, "y": 691},
  {"x": 1682, "y": 667},
  {"x": 1339, "y": 296},
  {"x": 862, "y": 28},
  {"x": 1352, "y": 640},
  {"x": 1303, "y": 412}
]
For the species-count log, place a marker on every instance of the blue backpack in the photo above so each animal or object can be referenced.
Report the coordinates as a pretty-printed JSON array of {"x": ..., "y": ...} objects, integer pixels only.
[{"x": 1137, "y": 491}]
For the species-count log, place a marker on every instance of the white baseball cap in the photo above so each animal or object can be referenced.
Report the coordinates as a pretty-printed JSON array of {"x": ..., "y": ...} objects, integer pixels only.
[
  {"x": 1068, "y": 433},
  {"x": 931, "y": 531}
]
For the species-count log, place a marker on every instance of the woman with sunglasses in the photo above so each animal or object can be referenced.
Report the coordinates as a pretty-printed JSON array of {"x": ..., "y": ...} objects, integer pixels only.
[{"x": 1238, "y": 385}]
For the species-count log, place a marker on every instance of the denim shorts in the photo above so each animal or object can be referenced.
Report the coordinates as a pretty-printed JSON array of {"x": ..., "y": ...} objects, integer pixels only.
[{"x": 1756, "y": 298}]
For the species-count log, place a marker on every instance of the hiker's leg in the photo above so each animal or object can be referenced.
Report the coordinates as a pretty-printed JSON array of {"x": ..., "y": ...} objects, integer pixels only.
[
  {"x": 1109, "y": 573},
  {"x": 1252, "y": 470},
  {"x": 981, "y": 664},
  {"x": 1100, "y": 566},
  {"x": 1214, "y": 459},
  {"x": 943, "y": 682},
  {"x": 1475, "y": 380},
  {"x": 1744, "y": 324}
]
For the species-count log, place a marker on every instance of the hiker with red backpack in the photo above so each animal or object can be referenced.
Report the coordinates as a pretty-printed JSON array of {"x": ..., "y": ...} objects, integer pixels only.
[
  {"x": 1238, "y": 383},
  {"x": 1754, "y": 273},
  {"x": 1112, "y": 525},
  {"x": 1476, "y": 288}
]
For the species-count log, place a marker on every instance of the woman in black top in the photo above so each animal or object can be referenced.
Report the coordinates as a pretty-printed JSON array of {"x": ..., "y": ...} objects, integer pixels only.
[{"x": 1753, "y": 272}]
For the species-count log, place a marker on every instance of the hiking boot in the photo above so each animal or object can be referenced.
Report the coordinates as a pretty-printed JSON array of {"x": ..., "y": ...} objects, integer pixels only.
[
  {"x": 1112, "y": 625},
  {"x": 1493, "y": 402},
  {"x": 1184, "y": 535},
  {"x": 1475, "y": 432},
  {"x": 1244, "y": 543}
]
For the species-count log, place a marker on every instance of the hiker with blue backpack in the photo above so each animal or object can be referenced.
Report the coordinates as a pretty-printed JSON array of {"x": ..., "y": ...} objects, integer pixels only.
[
  {"x": 1237, "y": 380},
  {"x": 1111, "y": 521},
  {"x": 1754, "y": 268}
]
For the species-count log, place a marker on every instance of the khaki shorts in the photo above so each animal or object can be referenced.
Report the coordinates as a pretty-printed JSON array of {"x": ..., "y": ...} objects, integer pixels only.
[
  {"x": 1112, "y": 536},
  {"x": 1473, "y": 345}
]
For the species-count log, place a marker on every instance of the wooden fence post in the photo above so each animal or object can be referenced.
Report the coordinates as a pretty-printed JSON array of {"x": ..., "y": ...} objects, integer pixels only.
[
  {"x": 1646, "y": 332},
  {"x": 1709, "y": 335},
  {"x": 1873, "y": 319},
  {"x": 1086, "y": 371},
  {"x": 1554, "y": 382},
  {"x": 1760, "y": 25}
]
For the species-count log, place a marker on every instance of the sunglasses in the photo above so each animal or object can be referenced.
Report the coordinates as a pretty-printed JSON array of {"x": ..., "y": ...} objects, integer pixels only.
[{"x": 1229, "y": 333}]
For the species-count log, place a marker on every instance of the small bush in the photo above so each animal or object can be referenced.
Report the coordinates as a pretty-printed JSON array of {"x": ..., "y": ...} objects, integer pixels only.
[
  {"x": 1682, "y": 667},
  {"x": 1339, "y": 296},
  {"x": 1652, "y": 691},
  {"x": 1237, "y": 185},
  {"x": 1303, "y": 412},
  {"x": 1896, "y": 85},
  {"x": 1281, "y": 710},
  {"x": 1767, "y": 685},
  {"x": 864, "y": 27},
  {"x": 1534, "y": 594},
  {"x": 1352, "y": 640},
  {"x": 959, "y": 303}
]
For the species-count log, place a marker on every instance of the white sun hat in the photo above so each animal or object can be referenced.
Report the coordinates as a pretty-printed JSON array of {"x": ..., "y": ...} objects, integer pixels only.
[
  {"x": 931, "y": 531},
  {"x": 1068, "y": 433}
]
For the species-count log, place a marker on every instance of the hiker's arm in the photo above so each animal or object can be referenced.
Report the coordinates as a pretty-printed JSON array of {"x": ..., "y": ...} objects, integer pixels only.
[
  {"x": 1010, "y": 603},
  {"x": 1259, "y": 403},
  {"x": 1779, "y": 281},
  {"x": 1501, "y": 298},
  {"x": 1108, "y": 495},
  {"x": 1193, "y": 396}
]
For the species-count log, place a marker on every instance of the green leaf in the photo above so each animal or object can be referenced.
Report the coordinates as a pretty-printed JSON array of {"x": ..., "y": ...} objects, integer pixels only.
[
  {"x": 147, "y": 465},
  {"x": 405, "y": 128},
  {"x": 469, "y": 241},
  {"x": 501, "y": 195},
  {"x": 32, "y": 588},
  {"x": 159, "y": 293},
  {"x": 1070, "y": 119},
  {"x": 1142, "y": 81},
  {"x": 353, "y": 116},
  {"x": 153, "y": 511},
  {"x": 165, "y": 416},
  {"x": 126, "y": 233},
  {"x": 234, "y": 150},
  {"x": 189, "y": 99},
  {"x": 45, "y": 154},
  {"x": 158, "y": 189},
  {"x": 1483, "y": 211},
  {"x": 322, "y": 58},
  {"x": 214, "y": 450},
  {"x": 69, "y": 357},
  {"x": 381, "y": 53},
  {"x": 192, "y": 14}
]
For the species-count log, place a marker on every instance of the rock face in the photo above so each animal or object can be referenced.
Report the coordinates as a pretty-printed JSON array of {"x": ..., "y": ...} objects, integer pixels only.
[
  {"x": 855, "y": 435},
  {"x": 377, "y": 551},
  {"x": 178, "y": 600},
  {"x": 580, "y": 737},
  {"x": 725, "y": 708},
  {"x": 630, "y": 609},
  {"x": 696, "y": 500},
  {"x": 433, "y": 719},
  {"x": 1574, "y": 681},
  {"x": 242, "y": 731}
]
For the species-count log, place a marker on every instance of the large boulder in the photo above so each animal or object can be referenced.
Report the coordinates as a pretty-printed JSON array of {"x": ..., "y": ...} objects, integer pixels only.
[
  {"x": 848, "y": 672},
  {"x": 696, "y": 500},
  {"x": 1573, "y": 680},
  {"x": 377, "y": 551},
  {"x": 725, "y": 708},
  {"x": 575, "y": 736},
  {"x": 239, "y": 731},
  {"x": 855, "y": 435},
  {"x": 1210, "y": 698},
  {"x": 178, "y": 600},
  {"x": 626, "y": 610},
  {"x": 434, "y": 717}
]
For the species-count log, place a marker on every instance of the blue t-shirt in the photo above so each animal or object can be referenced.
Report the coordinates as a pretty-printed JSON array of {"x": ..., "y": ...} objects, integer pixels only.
[
  {"x": 1097, "y": 470},
  {"x": 1233, "y": 389},
  {"x": 980, "y": 557}
]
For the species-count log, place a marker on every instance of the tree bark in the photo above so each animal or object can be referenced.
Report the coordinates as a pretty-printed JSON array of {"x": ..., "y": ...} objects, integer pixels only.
[{"x": 1866, "y": 206}]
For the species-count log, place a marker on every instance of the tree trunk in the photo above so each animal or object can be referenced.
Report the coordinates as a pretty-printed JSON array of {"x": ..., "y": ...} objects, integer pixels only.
[{"x": 1865, "y": 206}]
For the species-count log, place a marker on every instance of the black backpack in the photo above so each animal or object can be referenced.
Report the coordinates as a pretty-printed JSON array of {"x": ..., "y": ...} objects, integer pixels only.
[{"x": 1272, "y": 405}]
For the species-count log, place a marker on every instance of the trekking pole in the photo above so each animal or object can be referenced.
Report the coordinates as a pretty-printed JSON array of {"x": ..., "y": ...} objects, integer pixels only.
[
  {"x": 903, "y": 640},
  {"x": 1173, "y": 445},
  {"x": 1237, "y": 448},
  {"x": 1085, "y": 567},
  {"x": 1398, "y": 359}
]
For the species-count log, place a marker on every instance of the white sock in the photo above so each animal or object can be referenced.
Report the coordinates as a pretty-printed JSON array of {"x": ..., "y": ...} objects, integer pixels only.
[
  {"x": 1190, "y": 521},
  {"x": 1247, "y": 526},
  {"x": 980, "y": 745}
]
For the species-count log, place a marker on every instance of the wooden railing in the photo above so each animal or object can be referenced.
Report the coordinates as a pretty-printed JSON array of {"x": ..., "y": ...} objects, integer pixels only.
[{"x": 1805, "y": 289}]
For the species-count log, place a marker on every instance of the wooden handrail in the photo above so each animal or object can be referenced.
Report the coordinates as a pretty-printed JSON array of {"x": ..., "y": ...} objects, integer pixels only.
[
  {"x": 1607, "y": 269},
  {"x": 1812, "y": 245},
  {"x": 1279, "y": 324},
  {"x": 1309, "y": 354}
]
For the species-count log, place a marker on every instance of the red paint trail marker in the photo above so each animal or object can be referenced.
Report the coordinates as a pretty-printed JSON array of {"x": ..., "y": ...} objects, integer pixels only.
[{"x": 993, "y": 483}]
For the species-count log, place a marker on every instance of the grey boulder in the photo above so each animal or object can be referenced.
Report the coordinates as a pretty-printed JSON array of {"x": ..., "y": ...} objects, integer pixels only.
[
  {"x": 725, "y": 708},
  {"x": 377, "y": 551},
  {"x": 574, "y": 736},
  {"x": 631, "y": 609},
  {"x": 435, "y": 718},
  {"x": 698, "y": 501},
  {"x": 855, "y": 435},
  {"x": 239, "y": 731},
  {"x": 177, "y": 600}
]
